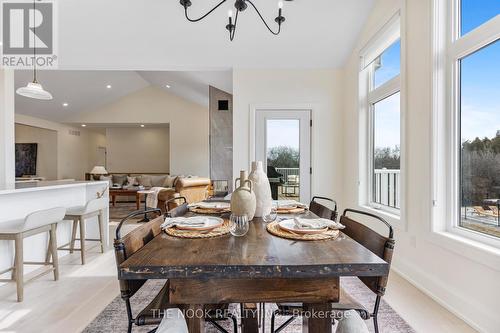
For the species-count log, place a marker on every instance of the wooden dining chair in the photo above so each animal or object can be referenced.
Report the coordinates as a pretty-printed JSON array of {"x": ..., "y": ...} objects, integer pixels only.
[
  {"x": 214, "y": 312},
  {"x": 126, "y": 246},
  {"x": 323, "y": 211},
  {"x": 382, "y": 246}
]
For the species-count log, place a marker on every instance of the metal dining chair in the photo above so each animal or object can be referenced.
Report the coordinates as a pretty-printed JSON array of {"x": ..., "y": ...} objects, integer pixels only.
[
  {"x": 214, "y": 312},
  {"x": 125, "y": 247},
  {"x": 382, "y": 246},
  {"x": 323, "y": 211}
]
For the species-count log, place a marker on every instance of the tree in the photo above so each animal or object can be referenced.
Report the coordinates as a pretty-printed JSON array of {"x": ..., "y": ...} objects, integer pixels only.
[
  {"x": 480, "y": 173},
  {"x": 283, "y": 157},
  {"x": 387, "y": 158}
]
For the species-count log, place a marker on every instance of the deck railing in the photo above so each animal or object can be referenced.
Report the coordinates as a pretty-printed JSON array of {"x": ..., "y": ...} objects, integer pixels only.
[
  {"x": 387, "y": 187},
  {"x": 287, "y": 172}
]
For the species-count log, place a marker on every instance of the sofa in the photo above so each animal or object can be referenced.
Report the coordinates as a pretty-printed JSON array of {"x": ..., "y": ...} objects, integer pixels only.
[{"x": 193, "y": 188}]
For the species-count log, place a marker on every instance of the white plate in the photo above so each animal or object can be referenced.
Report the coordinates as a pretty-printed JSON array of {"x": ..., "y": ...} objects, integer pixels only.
[
  {"x": 212, "y": 223},
  {"x": 289, "y": 225},
  {"x": 212, "y": 205}
]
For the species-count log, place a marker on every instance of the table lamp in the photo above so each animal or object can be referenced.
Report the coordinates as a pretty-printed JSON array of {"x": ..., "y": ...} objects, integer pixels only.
[{"x": 97, "y": 171}]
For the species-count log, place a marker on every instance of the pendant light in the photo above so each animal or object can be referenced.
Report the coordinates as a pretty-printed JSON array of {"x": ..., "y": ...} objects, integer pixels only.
[{"x": 34, "y": 89}]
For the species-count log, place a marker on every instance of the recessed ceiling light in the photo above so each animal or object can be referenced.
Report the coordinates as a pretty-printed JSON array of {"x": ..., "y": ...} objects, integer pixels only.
[
  {"x": 65, "y": 105},
  {"x": 168, "y": 86},
  {"x": 83, "y": 125},
  {"x": 1, "y": 43},
  {"x": 108, "y": 86},
  {"x": 142, "y": 125}
]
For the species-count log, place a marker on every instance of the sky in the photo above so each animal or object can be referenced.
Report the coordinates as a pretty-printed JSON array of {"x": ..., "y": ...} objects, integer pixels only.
[
  {"x": 283, "y": 132},
  {"x": 480, "y": 75}
]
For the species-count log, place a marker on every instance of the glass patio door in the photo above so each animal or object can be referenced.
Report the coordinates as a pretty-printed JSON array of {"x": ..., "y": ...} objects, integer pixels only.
[{"x": 283, "y": 143}]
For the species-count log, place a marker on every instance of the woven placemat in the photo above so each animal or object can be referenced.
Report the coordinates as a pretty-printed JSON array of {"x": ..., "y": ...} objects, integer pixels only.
[
  {"x": 295, "y": 210},
  {"x": 220, "y": 231},
  {"x": 209, "y": 211},
  {"x": 275, "y": 229}
]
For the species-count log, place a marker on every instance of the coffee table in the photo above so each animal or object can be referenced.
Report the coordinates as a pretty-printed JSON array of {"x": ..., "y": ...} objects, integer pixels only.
[{"x": 113, "y": 193}]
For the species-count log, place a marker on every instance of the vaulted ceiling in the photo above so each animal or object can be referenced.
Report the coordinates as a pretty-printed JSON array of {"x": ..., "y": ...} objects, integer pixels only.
[
  {"x": 154, "y": 35},
  {"x": 86, "y": 90}
]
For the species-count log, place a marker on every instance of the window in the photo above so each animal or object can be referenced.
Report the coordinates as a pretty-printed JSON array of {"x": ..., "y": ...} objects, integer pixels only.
[
  {"x": 381, "y": 108},
  {"x": 472, "y": 143}
]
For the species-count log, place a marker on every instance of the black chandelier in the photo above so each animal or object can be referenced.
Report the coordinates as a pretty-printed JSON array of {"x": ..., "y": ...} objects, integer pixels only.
[{"x": 240, "y": 6}]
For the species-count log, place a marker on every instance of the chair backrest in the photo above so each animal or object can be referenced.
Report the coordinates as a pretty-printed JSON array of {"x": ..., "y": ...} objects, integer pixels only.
[
  {"x": 131, "y": 243},
  {"x": 96, "y": 204},
  {"x": 323, "y": 211},
  {"x": 44, "y": 217},
  {"x": 380, "y": 245},
  {"x": 178, "y": 210}
]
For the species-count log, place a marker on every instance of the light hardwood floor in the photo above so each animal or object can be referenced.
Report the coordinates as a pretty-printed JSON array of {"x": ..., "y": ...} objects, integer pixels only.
[{"x": 82, "y": 292}]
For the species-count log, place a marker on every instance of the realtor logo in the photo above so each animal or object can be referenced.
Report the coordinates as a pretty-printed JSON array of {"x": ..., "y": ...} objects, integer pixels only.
[{"x": 26, "y": 27}]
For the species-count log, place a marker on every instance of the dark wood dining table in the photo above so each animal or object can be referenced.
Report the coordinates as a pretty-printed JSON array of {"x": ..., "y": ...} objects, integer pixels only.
[{"x": 255, "y": 268}]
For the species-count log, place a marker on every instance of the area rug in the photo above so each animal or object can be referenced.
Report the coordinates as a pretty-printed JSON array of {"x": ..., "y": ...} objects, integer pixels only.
[{"x": 114, "y": 319}]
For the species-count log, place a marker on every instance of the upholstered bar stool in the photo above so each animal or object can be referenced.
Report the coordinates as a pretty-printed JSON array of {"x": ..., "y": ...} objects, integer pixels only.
[
  {"x": 79, "y": 215},
  {"x": 35, "y": 223}
]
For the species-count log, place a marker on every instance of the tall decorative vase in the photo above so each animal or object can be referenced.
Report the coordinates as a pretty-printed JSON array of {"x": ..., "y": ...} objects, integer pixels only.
[
  {"x": 243, "y": 200},
  {"x": 262, "y": 189}
]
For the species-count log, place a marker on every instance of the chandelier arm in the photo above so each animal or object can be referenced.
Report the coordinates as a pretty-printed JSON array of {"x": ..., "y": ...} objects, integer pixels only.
[
  {"x": 231, "y": 34},
  {"x": 202, "y": 17},
  {"x": 264, "y": 21}
]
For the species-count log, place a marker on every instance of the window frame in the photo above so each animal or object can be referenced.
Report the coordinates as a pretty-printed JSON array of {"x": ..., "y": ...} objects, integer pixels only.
[
  {"x": 390, "y": 32},
  {"x": 449, "y": 47}
]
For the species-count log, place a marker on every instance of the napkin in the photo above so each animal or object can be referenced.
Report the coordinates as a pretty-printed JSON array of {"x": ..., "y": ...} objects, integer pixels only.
[
  {"x": 318, "y": 223},
  {"x": 289, "y": 204},
  {"x": 184, "y": 221},
  {"x": 210, "y": 205}
]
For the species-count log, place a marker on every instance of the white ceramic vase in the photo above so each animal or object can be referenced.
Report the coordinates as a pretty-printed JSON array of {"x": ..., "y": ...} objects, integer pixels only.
[
  {"x": 243, "y": 198},
  {"x": 262, "y": 189}
]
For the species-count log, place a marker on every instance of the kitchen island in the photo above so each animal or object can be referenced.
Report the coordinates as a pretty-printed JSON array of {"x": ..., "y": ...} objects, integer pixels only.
[{"x": 20, "y": 199}]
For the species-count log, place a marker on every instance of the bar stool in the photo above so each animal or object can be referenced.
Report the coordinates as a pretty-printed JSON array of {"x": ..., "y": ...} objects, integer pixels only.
[
  {"x": 35, "y": 223},
  {"x": 79, "y": 215}
]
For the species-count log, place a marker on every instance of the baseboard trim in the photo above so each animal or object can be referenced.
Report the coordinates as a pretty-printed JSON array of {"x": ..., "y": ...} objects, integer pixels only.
[{"x": 405, "y": 271}]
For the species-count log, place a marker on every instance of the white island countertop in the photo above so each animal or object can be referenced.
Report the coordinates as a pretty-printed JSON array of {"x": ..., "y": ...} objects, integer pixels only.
[{"x": 31, "y": 186}]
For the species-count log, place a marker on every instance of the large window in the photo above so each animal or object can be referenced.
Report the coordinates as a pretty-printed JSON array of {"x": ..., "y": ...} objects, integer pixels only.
[
  {"x": 472, "y": 102},
  {"x": 381, "y": 104}
]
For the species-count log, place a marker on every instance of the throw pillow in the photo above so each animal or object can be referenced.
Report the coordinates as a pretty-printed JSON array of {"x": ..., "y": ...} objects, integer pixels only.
[
  {"x": 145, "y": 181},
  {"x": 169, "y": 181},
  {"x": 132, "y": 181},
  {"x": 158, "y": 180},
  {"x": 119, "y": 179}
]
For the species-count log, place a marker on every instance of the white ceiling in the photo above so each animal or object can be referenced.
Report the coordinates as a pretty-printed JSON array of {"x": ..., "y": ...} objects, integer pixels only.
[
  {"x": 86, "y": 90},
  {"x": 154, "y": 35}
]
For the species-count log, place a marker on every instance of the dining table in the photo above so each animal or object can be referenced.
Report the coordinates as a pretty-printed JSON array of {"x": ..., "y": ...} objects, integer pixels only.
[{"x": 256, "y": 268}]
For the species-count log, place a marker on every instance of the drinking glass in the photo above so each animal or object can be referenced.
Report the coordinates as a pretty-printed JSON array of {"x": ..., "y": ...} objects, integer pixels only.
[
  {"x": 238, "y": 225},
  {"x": 272, "y": 216}
]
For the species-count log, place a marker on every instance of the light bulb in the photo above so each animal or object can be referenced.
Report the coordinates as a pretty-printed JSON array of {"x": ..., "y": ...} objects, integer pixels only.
[
  {"x": 280, "y": 4},
  {"x": 230, "y": 13}
]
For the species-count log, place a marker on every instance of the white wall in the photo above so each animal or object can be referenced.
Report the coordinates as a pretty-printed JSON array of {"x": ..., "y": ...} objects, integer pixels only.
[
  {"x": 467, "y": 287},
  {"x": 46, "y": 159},
  {"x": 7, "y": 158},
  {"x": 188, "y": 125},
  {"x": 72, "y": 150},
  {"x": 138, "y": 150},
  {"x": 320, "y": 89}
]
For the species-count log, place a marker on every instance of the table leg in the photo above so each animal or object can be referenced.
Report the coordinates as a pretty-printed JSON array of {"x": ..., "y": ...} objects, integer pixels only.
[
  {"x": 194, "y": 315},
  {"x": 138, "y": 201},
  {"x": 113, "y": 199},
  {"x": 249, "y": 320},
  {"x": 317, "y": 317}
]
